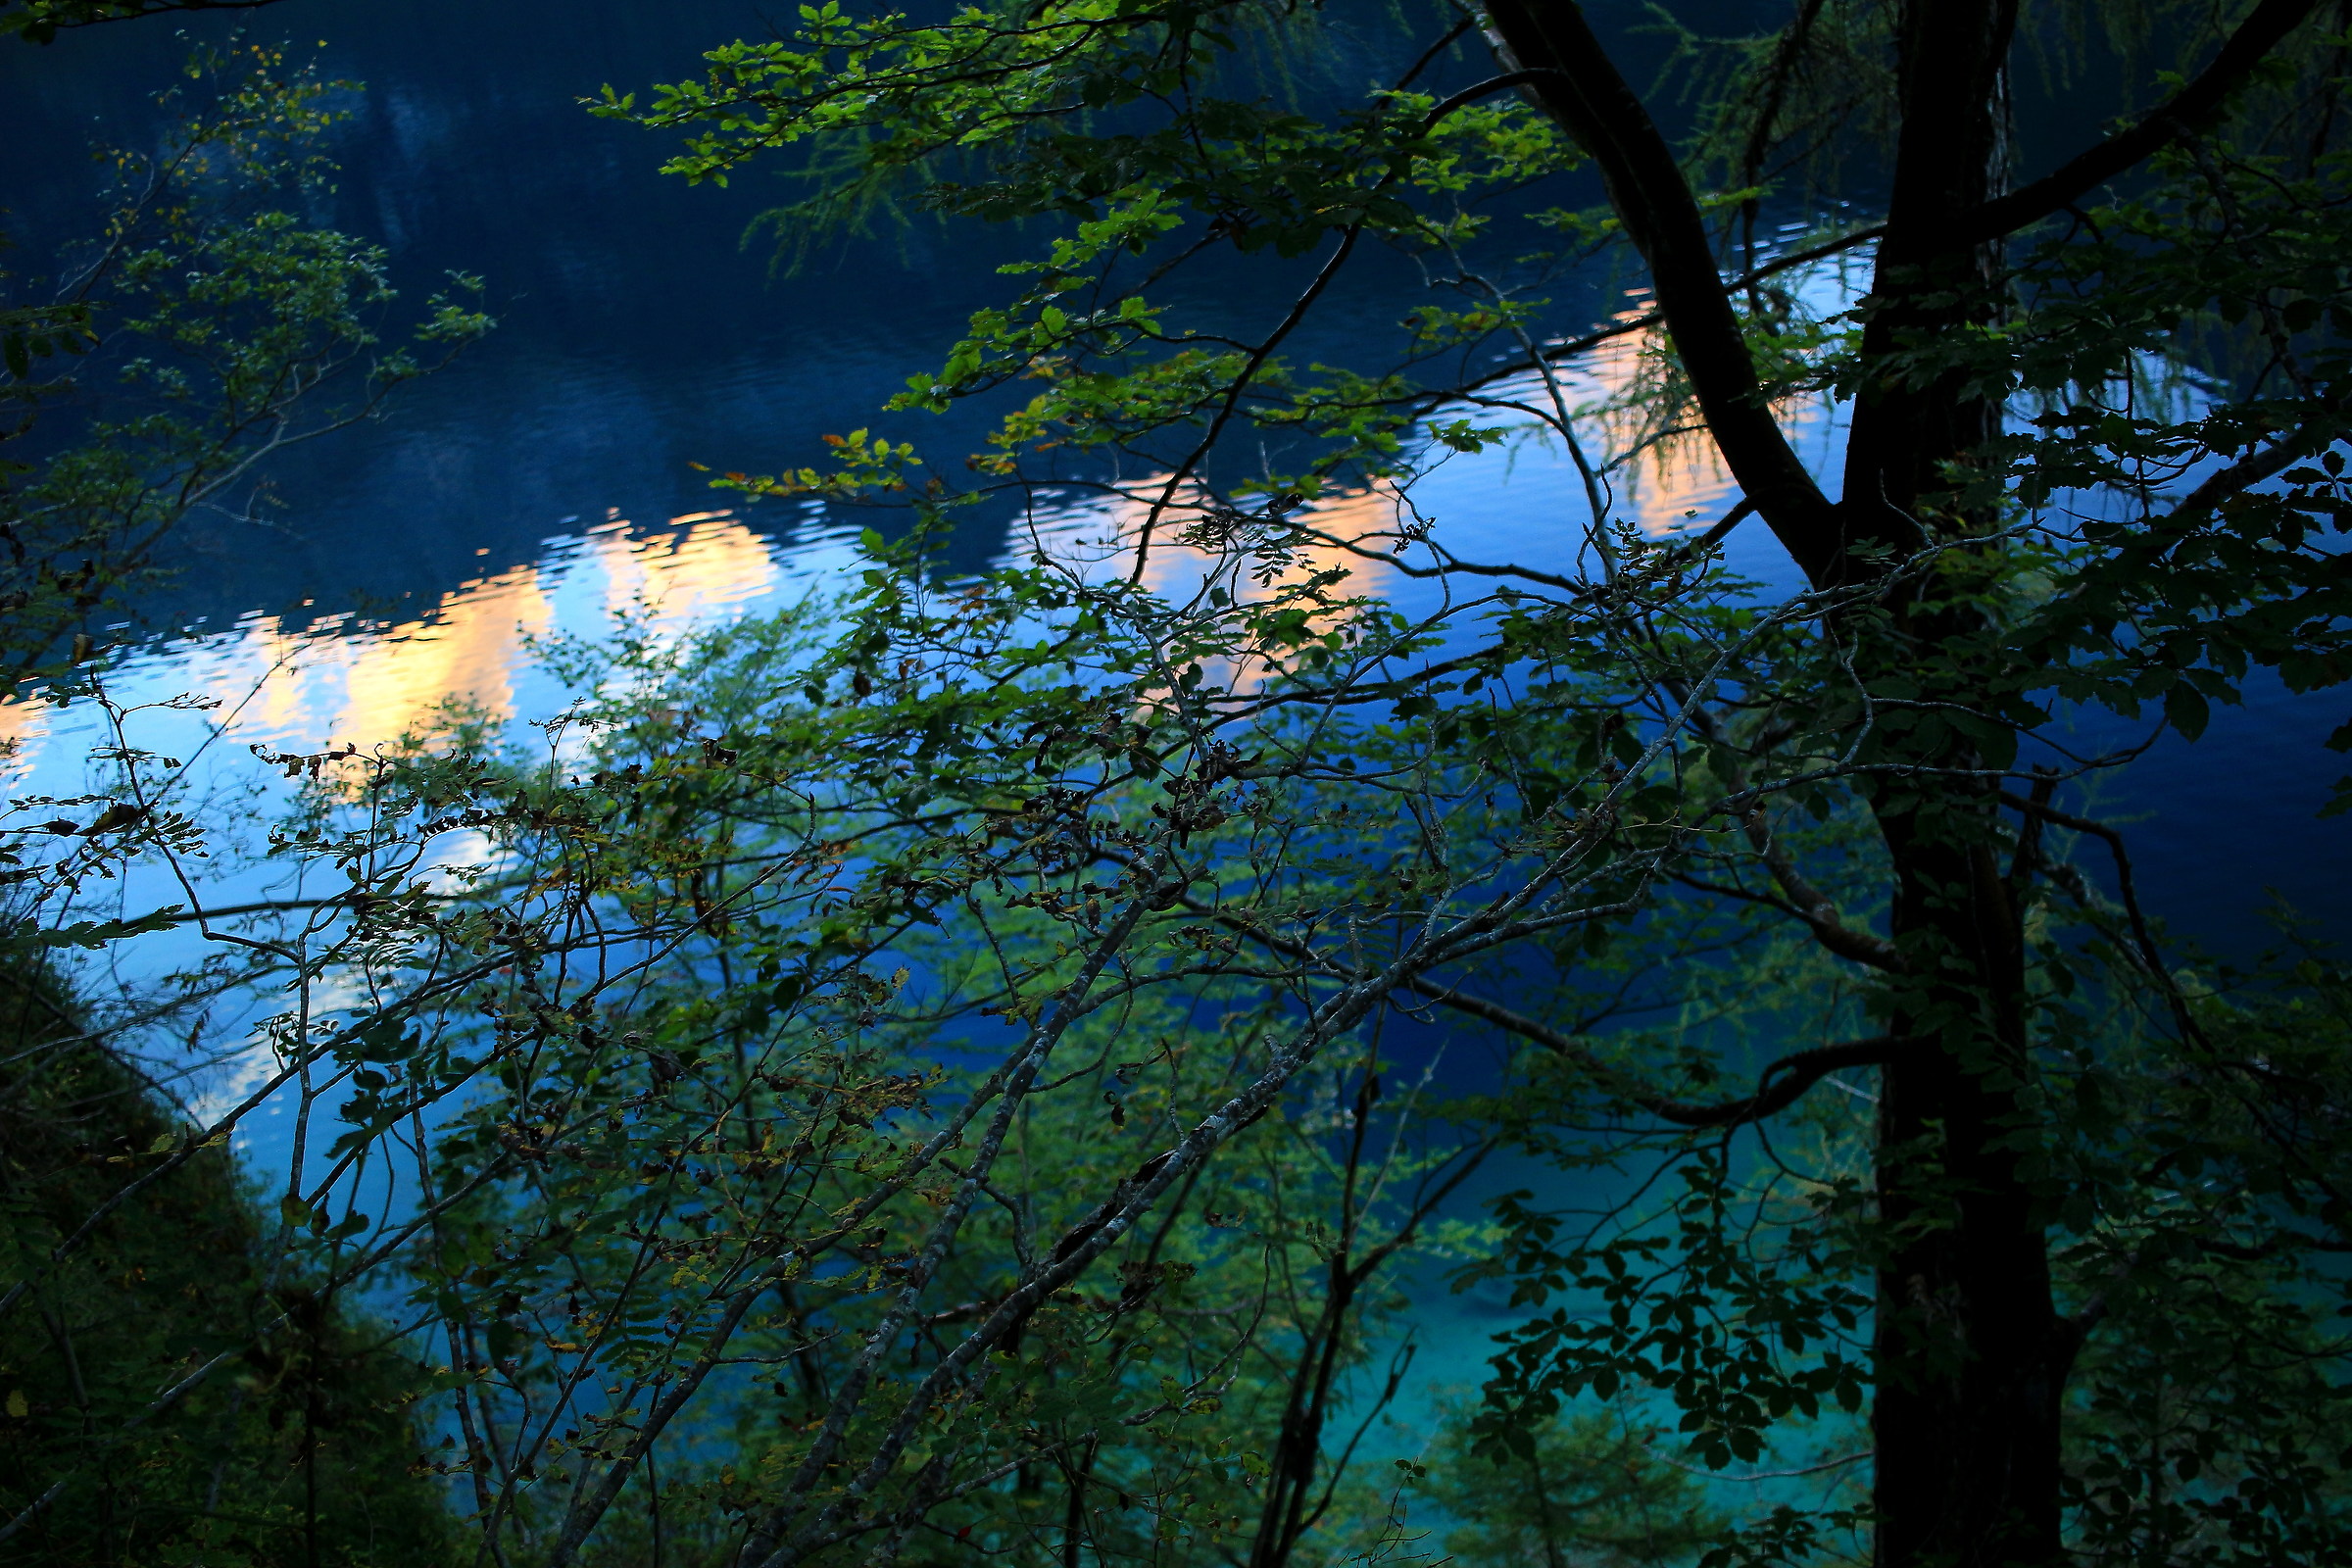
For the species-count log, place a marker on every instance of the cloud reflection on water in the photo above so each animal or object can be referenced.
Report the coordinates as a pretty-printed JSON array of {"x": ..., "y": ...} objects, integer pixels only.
[{"x": 371, "y": 684}]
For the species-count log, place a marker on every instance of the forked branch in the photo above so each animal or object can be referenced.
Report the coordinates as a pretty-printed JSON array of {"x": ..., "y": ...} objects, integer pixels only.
[{"x": 2263, "y": 28}]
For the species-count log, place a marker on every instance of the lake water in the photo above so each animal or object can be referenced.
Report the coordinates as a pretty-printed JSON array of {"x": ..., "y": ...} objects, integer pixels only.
[
  {"x": 544, "y": 483},
  {"x": 545, "y": 480}
]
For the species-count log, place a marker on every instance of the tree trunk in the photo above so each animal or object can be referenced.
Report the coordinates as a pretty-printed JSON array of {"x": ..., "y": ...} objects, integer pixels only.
[
  {"x": 1968, "y": 1348},
  {"x": 1966, "y": 1414}
]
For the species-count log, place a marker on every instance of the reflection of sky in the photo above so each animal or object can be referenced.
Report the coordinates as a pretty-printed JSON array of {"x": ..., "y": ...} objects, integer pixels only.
[
  {"x": 295, "y": 683},
  {"x": 305, "y": 685},
  {"x": 1520, "y": 503},
  {"x": 335, "y": 680}
]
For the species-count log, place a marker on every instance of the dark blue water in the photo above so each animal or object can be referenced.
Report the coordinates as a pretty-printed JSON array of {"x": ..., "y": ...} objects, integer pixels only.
[{"x": 640, "y": 333}]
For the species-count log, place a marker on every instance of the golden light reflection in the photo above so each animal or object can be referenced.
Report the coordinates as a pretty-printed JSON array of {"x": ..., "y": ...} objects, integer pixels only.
[
  {"x": 1662, "y": 482},
  {"x": 1366, "y": 519},
  {"x": 716, "y": 563},
  {"x": 1669, "y": 482},
  {"x": 466, "y": 652},
  {"x": 1100, "y": 538},
  {"x": 329, "y": 684},
  {"x": 23, "y": 726},
  {"x": 332, "y": 681}
]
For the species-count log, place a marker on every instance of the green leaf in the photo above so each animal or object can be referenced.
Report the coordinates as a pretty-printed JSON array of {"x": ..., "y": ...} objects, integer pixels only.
[
  {"x": 96, "y": 934},
  {"x": 2186, "y": 708}
]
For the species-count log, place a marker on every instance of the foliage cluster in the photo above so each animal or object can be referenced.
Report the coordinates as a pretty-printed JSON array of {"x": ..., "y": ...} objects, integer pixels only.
[
  {"x": 292, "y": 1441},
  {"x": 970, "y": 1066}
]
